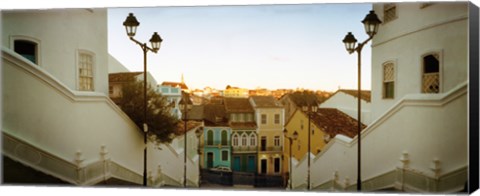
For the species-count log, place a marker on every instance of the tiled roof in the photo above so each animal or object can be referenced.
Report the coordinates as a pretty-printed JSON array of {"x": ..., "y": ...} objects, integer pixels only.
[
  {"x": 195, "y": 113},
  {"x": 334, "y": 122},
  {"x": 243, "y": 125},
  {"x": 123, "y": 76},
  {"x": 365, "y": 95},
  {"x": 304, "y": 98},
  {"x": 175, "y": 84},
  {"x": 265, "y": 102},
  {"x": 238, "y": 105},
  {"x": 214, "y": 114}
]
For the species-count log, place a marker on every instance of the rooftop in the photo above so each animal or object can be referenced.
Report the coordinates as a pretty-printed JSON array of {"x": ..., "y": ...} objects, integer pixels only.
[
  {"x": 183, "y": 86},
  {"x": 123, "y": 76},
  {"x": 334, "y": 122},
  {"x": 215, "y": 115},
  {"x": 239, "y": 105},
  {"x": 304, "y": 98},
  {"x": 265, "y": 102},
  {"x": 365, "y": 95}
]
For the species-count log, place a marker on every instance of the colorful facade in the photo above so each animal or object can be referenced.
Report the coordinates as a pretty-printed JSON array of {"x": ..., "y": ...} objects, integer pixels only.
[
  {"x": 269, "y": 116},
  {"x": 244, "y": 135},
  {"x": 216, "y": 137}
]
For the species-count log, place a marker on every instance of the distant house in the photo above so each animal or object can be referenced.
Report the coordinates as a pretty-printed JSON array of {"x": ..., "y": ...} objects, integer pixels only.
[
  {"x": 244, "y": 136},
  {"x": 173, "y": 95},
  {"x": 235, "y": 92},
  {"x": 347, "y": 100},
  {"x": 293, "y": 101},
  {"x": 269, "y": 117}
]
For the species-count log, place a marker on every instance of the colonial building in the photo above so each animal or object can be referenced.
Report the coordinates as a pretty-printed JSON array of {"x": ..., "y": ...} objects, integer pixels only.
[
  {"x": 216, "y": 134},
  {"x": 269, "y": 117},
  {"x": 244, "y": 134},
  {"x": 417, "y": 140},
  {"x": 293, "y": 101},
  {"x": 55, "y": 65}
]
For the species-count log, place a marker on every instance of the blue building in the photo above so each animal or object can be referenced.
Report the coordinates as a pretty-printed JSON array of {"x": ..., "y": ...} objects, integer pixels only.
[{"x": 217, "y": 133}]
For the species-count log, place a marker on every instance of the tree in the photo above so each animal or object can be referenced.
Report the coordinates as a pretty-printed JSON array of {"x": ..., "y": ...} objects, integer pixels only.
[{"x": 161, "y": 123}]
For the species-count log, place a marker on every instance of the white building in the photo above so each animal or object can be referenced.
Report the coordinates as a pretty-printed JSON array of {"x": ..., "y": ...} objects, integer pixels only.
[
  {"x": 346, "y": 101},
  {"x": 417, "y": 140},
  {"x": 56, "y": 116}
]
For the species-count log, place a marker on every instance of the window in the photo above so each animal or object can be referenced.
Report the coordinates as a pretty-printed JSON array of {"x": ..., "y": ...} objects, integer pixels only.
[
  {"x": 431, "y": 76},
  {"x": 234, "y": 117},
  {"x": 263, "y": 143},
  {"x": 85, "y": 72},
  {"x": 224, "y": 155},
  {"x": 244, "y": 140},
  {"x": 27, "y": 49},
  {"x": 388, "y": 80},
  {"x": 224, "y": 138},
  {"x": 235, "y": 140},
  {"x": 276, "y": 166},
  {"x": 209, "y": 137},
  {"x": 389, "y": 12},
  {"x": 264, "y": 119},
  {"x": 276, "y": 141},
  {"x": 253, "y": 140},
  {"x": 277, "y": 118}
]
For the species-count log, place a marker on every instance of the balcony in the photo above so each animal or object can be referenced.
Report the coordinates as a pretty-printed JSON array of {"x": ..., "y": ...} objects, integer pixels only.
[
  {"x": 244, "y": 148},
  {"x": 217, "y": 143},
  {"x": 271, "y": 149}
]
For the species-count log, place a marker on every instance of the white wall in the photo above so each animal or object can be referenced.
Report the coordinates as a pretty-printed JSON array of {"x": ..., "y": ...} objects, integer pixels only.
[
  {"x": 61, "y": 35},
  {"x": 348, "y": 105},
  {"x": 440, "y": 27},
  {"x": 44, "y": 112},
  {"x": 437, "y": 130}
]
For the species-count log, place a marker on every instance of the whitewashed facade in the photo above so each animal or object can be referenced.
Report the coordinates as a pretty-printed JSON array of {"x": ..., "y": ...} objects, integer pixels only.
[
  {"x": 56, "y": 115},
  {"x": 417, "y": 140}
]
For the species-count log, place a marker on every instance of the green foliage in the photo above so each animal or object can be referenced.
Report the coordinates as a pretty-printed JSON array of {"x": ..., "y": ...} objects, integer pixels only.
[{"x": 161, "y": 124}]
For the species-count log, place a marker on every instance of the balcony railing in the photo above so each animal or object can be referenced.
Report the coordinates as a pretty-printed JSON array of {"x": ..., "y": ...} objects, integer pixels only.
[
  {"x": 271, "y": 148},
  {"x": 244, "y": 148},
  {"x": 217, "y": 143}
]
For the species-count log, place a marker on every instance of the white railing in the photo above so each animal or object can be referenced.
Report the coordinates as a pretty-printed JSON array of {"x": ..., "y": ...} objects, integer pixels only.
[
  {"x": 71, "y": 126},
  {"x": 423, "y": 134}
]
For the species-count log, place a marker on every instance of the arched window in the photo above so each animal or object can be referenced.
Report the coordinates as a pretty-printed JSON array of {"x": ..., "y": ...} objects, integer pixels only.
[
  {"x": 27, "y": 49},
  {"x": 209, "y": 137},
  {"x": 253, "y": 139},
  {"x": 244, "y": 139},
  {"x": 235, "y": 140},
  {"x": 224, "y": 138},
  {"x": 431, "y": 74}
]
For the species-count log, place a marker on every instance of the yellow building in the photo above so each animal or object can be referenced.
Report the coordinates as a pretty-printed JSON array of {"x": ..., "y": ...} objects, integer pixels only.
[
  {"x": 235, "y": 92},
  {"x": 325, "y": 124},
  {"x": 269, "y": 116}
]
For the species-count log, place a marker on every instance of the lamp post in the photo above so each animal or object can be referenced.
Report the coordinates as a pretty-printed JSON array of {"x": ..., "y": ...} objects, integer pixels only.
[
  {"x": 185, "y": 103},
  {"x": 290, "y": 139},
  {"x": 199, "y": 133},
  {"x": 310, "y": 110},
  {"x": 131, "y": 25},
  {"x": 371, "y": 23}
]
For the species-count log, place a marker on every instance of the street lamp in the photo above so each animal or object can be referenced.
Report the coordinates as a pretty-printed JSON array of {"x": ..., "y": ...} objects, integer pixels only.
[
  {"x": 185, "y": 103},
  {"x": 309, "y": 110},
  {"x": 131, "y": 25},
  {"x": 199, "y": 133},
  {"x": 294, "y": 137},
  {"x": 371, "y": 23}
]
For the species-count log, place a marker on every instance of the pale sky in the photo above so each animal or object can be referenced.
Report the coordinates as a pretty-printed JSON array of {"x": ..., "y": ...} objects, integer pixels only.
[{"x": 249, "y": 46}]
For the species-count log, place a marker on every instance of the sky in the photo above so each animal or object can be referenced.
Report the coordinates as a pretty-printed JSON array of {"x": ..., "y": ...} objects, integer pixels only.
[{"x": 247, "y": 46}]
